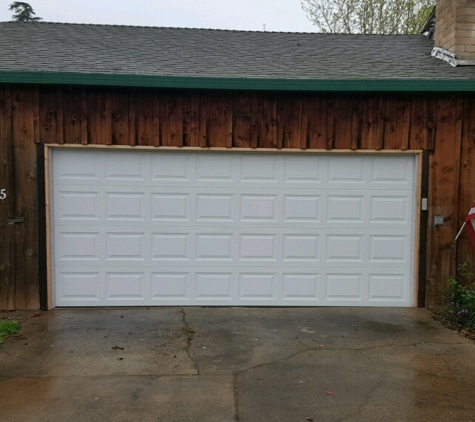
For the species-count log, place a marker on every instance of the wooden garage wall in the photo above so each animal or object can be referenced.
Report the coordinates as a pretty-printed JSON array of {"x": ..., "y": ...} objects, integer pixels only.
[{"x": 444, "y": 125}]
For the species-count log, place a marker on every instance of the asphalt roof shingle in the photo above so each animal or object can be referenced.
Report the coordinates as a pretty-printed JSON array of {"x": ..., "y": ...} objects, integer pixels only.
[{"x": 154, "y": 51}]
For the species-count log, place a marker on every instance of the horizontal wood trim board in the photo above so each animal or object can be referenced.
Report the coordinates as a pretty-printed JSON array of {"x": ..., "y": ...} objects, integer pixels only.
[
  {"x": 224, "y": 149},
  {"x": 261, "y": 84}
]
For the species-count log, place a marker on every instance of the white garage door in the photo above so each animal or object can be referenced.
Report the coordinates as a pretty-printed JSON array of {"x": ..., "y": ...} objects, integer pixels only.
[{"x": 141, "y": 228}]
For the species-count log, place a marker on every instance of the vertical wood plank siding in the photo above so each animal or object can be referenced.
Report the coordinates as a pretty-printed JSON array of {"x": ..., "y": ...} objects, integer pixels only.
[
  {"x": 7, "y": 205},
  {"x": 465, "y": 251},
  {"x": 25, "y": 106},
  {"x": 441, "y": 124}
]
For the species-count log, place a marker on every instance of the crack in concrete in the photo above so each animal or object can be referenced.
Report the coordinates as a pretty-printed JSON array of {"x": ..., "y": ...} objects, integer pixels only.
[
  {"x": 365, "y": 402},
  {"x": 311, "y": 349},
  {"x": 307, "y": 347},
  {"x": 384, "y": 345},
  {"x": 190, "y": 333},
  {"x": 241, "y": 371}
]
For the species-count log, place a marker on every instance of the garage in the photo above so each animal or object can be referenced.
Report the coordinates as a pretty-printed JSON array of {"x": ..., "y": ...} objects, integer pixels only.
[{"x": 141, "y": 227}]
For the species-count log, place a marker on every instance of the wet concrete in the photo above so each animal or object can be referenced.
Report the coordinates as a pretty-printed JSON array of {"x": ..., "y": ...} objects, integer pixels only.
[{"x": 231, "y": 364}]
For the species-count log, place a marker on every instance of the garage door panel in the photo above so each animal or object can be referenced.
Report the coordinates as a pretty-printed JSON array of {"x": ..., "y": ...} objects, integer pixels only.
[
  {"x": 168, "y": 169},
  {"x": 214, "y": 229},
  {"x": 126, "y": 206},
  {"x": 388, "y": 286},
  {"x": 344, "y": 287},
  {"x": 300, "y": 287},
  {"x": 301, "y": 248},
  {"x": 385, "y": 209},
  {"x": 78, "y": 168},
  {"x": 122, "y": 168},
  {"x": 79, "y": 246},
  {"x": 346, "y": 170},
  {"x": 77, "y": 205},
  {"x": 258, "y": 286},
  {"x": 344, "y": 248},
  {"x": 259, "y": 207},
  {"x": 258, "y": 247},
  {"x": 126, "y": 286},
  {"x": 214, "y": 247},
  {"x": 392, "y": 171},
  {"x": 389, "y": 248},
  {"x": 303, "y": 171},
  {"x": 215, "y": 286},
  {"x": 215, "y": 207},
  {"x": 219, "y": 170},
  {"x": 126, "y": 246},
  {"x": 79, "y": 287},
  {"x": 303, "y": 208},
  {"x": 349, "y": 209},
  {"x": 170, "y": 285},
  {"x": 259, "y": 171},
  {"x": 171, "y": 207},
  {"x": 172, "y": 246}
]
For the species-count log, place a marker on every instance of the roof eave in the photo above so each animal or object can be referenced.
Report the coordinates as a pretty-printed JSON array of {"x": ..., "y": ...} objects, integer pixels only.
[{"x": 253, "y": 84}]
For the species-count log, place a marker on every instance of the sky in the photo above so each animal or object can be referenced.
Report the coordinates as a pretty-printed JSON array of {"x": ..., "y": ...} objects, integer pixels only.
[{"x": 248, "y": 15}]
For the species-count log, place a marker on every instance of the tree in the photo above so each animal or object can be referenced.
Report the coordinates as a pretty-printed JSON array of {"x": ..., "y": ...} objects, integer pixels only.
[
  {"x": 23, "y": 12},
  {"x": 369, "y": 16}
]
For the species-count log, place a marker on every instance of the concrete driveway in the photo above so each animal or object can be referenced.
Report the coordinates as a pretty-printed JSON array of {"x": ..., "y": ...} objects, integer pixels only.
[{"x": 236, "y": 364}]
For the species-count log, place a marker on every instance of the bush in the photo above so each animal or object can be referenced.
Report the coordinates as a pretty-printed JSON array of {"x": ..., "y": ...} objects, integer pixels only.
[{"x": 460, "y": 299}]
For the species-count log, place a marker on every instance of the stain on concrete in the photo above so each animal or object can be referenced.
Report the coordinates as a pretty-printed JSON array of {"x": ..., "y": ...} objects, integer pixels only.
[{"x": 384, "y": 327}]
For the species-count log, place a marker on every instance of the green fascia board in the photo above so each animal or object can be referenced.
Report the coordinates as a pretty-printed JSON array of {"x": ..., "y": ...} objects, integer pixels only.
[{"x": 254, "y": 84}]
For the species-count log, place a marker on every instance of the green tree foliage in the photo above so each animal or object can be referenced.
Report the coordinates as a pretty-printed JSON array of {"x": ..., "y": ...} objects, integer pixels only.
[
  {"x": 369, "y": 16},
  {"x": 23, "y": 12}
]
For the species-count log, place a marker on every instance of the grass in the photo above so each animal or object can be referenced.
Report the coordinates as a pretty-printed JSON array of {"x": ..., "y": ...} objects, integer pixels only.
[{"x": 7, "y": 327}]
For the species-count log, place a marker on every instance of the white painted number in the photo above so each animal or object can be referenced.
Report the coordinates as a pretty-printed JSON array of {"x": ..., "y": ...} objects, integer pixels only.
[{"x": 3, "y": 194}]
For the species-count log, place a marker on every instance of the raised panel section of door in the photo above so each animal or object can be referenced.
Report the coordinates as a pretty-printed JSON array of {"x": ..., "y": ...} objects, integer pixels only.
[
  {"x": 214, "y": 247},
  {"x": 171, "y": 207},
  {"x": 214, "y": 207},
  {"x": 169, "y": 286},
  {"x": 71, "y": 205},
  {"x": 257, "y": 286},
  {"x": 214, "y": 286},
  {"x": 257, "y": 247},
  {"x": 259, "y": 208},
  {"x": 125, "y": 246},
  {"x": 302, "y": 208}
]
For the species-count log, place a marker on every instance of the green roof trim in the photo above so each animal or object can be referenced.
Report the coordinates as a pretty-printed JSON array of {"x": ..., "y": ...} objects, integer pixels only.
[{"x": 253, "y": 84}]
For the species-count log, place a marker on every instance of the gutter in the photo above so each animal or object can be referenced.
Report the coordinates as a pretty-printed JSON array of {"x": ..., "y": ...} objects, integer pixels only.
[{"x": 244, "y": 84}]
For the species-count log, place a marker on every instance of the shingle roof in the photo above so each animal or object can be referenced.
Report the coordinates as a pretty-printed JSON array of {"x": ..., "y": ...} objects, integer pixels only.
[{"x": 153, "y": 51}]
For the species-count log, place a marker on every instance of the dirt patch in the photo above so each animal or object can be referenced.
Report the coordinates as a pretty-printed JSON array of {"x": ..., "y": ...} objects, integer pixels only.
[{"x": 440, "y": 317}]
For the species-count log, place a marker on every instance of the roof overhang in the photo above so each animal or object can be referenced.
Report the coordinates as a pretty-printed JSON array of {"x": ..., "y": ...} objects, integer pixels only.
[{"x": 249, "y": 84}]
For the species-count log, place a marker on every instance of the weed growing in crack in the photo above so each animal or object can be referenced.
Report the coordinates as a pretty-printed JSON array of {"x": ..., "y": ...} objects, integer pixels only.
[{"x": 189, "y": 334}]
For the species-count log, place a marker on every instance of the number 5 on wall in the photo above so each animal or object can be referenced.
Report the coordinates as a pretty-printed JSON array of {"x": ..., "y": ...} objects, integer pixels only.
[{"x": 3, "y": 194}]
